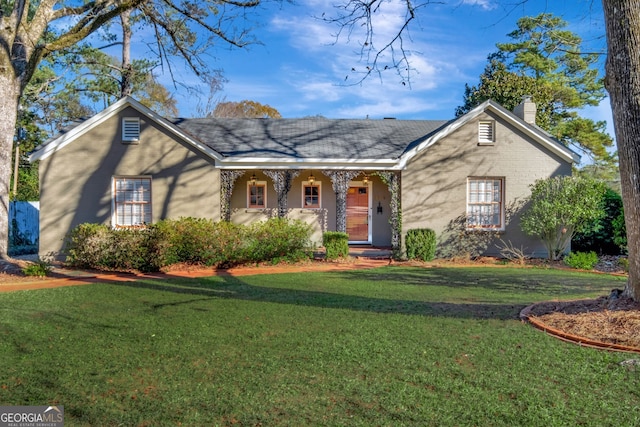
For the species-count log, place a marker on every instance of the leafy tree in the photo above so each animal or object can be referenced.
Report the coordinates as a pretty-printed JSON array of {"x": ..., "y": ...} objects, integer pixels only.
[
  {"x": 246, "y": 109},
  {"x": 33, "y": 31},
  {"x": 546, "y": 62},
  {"x": 620, "y": 232},
  {"x": 599, "y": 236},
  {"x": 28, "y": 136},
  {"x": 559, "y": 208},
  {"x": 623, "y": 84}
]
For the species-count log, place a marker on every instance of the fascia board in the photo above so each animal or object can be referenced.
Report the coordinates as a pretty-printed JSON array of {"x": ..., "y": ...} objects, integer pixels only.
[
  {"x": 277, "y": 163},
  {"x": 68, "y": 137},
  {"x": 538, "y": 135},
  {"x": 108, "y": 113}
]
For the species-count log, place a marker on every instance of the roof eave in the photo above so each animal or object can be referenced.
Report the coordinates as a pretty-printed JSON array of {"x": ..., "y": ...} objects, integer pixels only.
[
  {"x": 563, "y": 152},
  {"x": 311, "y": 163},
  {"x": 113, "y": 109}
]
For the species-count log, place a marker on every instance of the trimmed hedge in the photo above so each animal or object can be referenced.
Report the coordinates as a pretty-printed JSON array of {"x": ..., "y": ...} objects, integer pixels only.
[
  {"x": 336, "y": 244},
  {"x": 421, "y": 244},
  {"x": 187, "y": 240}
]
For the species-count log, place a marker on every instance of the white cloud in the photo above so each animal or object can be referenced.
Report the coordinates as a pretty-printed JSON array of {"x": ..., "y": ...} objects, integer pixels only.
[{"x": 484, "y": 4}]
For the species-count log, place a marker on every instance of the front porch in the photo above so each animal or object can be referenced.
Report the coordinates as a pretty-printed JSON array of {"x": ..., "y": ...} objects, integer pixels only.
[{"x": 362, "y": 203}]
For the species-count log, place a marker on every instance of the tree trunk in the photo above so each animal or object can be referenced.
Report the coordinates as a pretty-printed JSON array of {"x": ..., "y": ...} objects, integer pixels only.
[
  {"x": 622, "y": 19},
  {"x": 8, "y": 114},
  {"x": 126, "y": 84}
]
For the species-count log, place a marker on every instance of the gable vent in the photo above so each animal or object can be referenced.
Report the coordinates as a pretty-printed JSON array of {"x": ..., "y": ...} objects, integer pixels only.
[
  {"x": 131, "y": 129},
  {"x": 486, "y": 132}
]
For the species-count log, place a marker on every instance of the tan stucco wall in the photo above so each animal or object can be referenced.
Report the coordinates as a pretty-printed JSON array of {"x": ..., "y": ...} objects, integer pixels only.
[
  {"x": 76, "y": 180},
  {"x": 434, "y": 183}
]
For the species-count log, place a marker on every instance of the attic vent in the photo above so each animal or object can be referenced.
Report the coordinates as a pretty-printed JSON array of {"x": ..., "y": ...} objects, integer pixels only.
[
  {"x": 486, "y": 134},
  {"x": 130, "y": 129}
]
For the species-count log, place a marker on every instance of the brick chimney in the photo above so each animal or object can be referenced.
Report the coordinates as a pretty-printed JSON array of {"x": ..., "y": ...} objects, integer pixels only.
[{"x": 526, "y": 110}]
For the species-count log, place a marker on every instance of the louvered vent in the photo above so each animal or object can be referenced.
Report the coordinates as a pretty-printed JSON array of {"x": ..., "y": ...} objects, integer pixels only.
[
  {"x": 486, "y": 132},
  {"x": 131, "y": 129}
]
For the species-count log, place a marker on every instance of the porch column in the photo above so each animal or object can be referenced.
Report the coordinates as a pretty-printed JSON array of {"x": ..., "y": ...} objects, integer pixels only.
[
  {"x": 392, "y": 179},
  {"x": 282, "y": 183},
  {"x": 340, "y": 183},
  {"x": 227, "y": 181}
]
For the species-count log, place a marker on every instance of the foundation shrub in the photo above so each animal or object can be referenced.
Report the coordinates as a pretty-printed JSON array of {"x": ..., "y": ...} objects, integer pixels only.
[
  {"x": 186, "y": 240},
  {"x": 87, "y": 245},
  {"x": 336, "y": 244},
  {"x": 421, "y": 244},
  {"x": 581, "y": 260},
  {"x": 278, "y": 239}
]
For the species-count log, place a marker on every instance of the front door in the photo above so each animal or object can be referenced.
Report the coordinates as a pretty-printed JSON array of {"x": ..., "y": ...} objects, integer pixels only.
[{"x": 358, "y": 214}]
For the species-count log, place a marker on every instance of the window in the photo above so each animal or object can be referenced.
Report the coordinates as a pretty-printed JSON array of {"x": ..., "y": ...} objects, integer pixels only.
[
  {"x": 257, "y": 195},
  {"x": 311, "y": 195},
  {"x": 485, "y": 203},
  {"x": 486, "y": 132},
  {"x": 132, "y": 201},
  {"x": 131, "y": 129}
]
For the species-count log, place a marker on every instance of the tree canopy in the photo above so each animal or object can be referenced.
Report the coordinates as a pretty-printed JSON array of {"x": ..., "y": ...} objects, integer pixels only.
[
  {"x": 246, "y": 109},
  {"x": 546, "y": 62}
]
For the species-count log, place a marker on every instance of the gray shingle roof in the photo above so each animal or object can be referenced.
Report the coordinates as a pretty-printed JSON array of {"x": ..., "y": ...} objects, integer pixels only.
[{"x": 311, "y": 138}]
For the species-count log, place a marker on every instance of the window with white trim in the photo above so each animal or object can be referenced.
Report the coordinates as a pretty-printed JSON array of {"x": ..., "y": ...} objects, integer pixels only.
[
  {"x": 485, "y": 204},
  {"x": 131, "y": 201},
  {"x": 311, "y": 195},
  {"x": 257, "y": 194},
  {"x": 131, "y": 129},
  {"x": 486, "y": 132}
]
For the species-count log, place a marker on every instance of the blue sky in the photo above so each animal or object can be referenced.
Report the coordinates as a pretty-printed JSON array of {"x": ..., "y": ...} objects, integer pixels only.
[{"x": 299, "y": 68}]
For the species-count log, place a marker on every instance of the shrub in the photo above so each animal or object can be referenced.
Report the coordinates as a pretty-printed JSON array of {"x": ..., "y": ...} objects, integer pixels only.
[
  {"x": 624, "y": 264},
  {"x": 336, "y": 244},
  {"x": 600, "y": 234},
  {"x": 620, "y": 232},
  {"x": 581, "y": 260},
  {"x": 421, "y": 244},
  {"x": 278, "y": 239},
  {"x": 186, "y": 240},
  {"x": 87, "y": 245},
  {"x": 559, "y": 208},
  {"x": 39, "y": 269}
]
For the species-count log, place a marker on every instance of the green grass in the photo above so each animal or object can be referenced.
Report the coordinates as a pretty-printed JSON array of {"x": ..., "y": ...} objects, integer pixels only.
[{"x": 386, "y": 347}]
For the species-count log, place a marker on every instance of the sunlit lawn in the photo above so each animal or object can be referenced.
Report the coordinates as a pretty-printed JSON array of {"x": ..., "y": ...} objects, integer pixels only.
[{"x": 392, "y": 346}]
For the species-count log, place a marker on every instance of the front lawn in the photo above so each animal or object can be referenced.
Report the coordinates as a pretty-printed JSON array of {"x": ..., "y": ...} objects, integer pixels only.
[{"x": 386, "y": 347}]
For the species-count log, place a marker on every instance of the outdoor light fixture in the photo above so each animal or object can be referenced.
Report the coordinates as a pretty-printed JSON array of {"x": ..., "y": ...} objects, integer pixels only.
[
  {"x": 379, "y": 208},
  {"x": 365, "y": 180},
  {"x": 311, "y": 179},
  {"x": 253, "y": 180}
]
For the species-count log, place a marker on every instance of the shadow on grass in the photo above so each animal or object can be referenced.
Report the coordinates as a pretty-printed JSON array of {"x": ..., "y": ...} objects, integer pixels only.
[
  {"x": 235, "y": 288},
  {"x": 520, "y": 280}
]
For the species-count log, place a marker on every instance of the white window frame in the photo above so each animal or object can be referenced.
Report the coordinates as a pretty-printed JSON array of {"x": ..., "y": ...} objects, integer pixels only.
[
  {"x": 256, "y": 184},
  {"x": 484, "y": 197},
  {"x": 141, "y": 210},
  {"x": 307, "y": 184},
  {"x": 486, "y": 132},
  {"x": 131, "y": 129}
]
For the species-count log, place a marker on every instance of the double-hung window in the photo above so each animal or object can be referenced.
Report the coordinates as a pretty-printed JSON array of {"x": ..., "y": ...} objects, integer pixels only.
[
  {"x": 132, "y": 201},
  {"x": 485, "y": 203},
  {"x": 311, "y": 195},
  {"x": 257, "y": 194}
]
